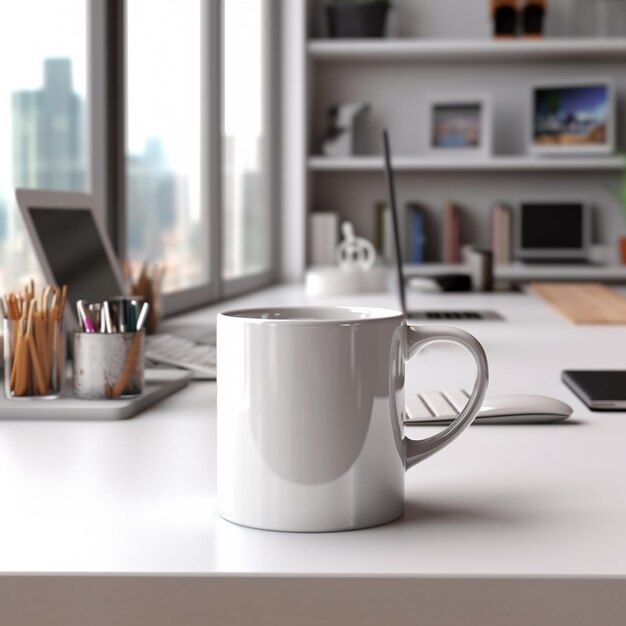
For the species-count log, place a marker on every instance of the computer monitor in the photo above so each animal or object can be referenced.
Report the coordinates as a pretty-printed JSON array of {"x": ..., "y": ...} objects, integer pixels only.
[
  {"x": 71, "y": 246},
  {"x": 553, "y": 231}
]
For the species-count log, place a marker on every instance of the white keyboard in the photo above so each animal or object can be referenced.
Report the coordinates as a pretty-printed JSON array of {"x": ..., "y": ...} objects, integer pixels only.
[
  {"x": 435, "y": 406},
  {"x": 177, "y": 351},
  {"x": 442, "y": 407}
]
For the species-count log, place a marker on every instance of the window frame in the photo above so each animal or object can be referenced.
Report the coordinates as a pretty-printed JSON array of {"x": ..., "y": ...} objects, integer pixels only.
[
  {"x": 241, "y": 284},
  {"x": 107, "y": 65}
]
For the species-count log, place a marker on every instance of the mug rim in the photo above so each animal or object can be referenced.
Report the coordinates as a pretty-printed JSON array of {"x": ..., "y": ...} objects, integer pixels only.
[{"x": 352, "y": 314}]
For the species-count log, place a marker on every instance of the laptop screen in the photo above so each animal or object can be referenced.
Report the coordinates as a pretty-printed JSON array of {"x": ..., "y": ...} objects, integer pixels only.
[
  {"x": 74, "y": 250},
  {"x": 553, "y": 226}
]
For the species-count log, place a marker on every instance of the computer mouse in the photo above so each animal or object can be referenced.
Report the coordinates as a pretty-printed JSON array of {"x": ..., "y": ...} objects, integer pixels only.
[
  {"x": 442, "y": 407},
  {"x": 523, "y": 408}
]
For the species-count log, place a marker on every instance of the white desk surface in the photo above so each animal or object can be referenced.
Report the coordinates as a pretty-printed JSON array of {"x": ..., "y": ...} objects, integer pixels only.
[{"x": 532, "y": 501}]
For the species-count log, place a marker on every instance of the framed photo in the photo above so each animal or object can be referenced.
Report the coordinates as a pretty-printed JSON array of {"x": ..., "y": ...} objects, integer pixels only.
[
  {"x": 572, "y": 117},
  {"x": 460, "y": 125}
]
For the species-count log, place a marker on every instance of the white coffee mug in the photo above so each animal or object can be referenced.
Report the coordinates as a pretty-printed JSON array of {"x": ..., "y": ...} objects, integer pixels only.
[{"x": 310, "y": 411}]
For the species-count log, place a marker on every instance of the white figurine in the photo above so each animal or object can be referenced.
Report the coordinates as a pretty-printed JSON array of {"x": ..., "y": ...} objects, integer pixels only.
[{"x": 354, "y": 253}]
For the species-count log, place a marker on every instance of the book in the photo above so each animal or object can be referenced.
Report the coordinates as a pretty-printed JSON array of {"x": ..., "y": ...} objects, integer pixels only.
[
  {"x": 455, "y": 253},
  {"x": 505, "y": 236},
  {"x": 383, "y": 232},
  {"x": 496, "y": 243},
  {"x": 415, "y": 234},
  {"x": 379, "y": 226},
  {"x": 323, "y": 237},
  {"x": 451, "y": 234},
  {"x": 502, "y": 233}
]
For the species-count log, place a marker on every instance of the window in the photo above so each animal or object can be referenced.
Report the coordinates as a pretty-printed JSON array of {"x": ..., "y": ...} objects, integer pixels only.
[
  {"x": 166, "y": 220},
  {"x": 197, "y": 172},
  {"x": 246, "y": 220},
  {"x": 179, "y": 121},
  {"x": 43, "y": 112}
]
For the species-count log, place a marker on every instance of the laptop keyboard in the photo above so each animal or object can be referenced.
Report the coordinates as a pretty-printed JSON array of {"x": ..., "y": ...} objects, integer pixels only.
[{"x": 453, "y": 315}]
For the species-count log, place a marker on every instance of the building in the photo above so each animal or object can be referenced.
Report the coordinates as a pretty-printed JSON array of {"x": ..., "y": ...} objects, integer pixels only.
[{"x": 48, "y": 125}]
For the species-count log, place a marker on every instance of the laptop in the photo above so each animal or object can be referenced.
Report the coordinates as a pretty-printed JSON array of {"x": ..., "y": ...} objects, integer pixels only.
[
  {"x": 73, "y": 249},
  {"x": 554, "y": 232},
  {"x": 444, "y": 315}
]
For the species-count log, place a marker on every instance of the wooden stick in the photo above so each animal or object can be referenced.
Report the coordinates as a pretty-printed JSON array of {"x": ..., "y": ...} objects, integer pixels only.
[
  {"x": 15, "y": 340},
  {"x": 14, "y": 312},
  {"x": 142, "y": 283},
  {"x": 62, "y": 302},
  {"x": 43, "y": 299},
  {"x": 128, "y": 370},
  {"x": 28, "y": 336},
  {"x": 39, "y": 382},
  {"x": 37, "y": 340},
  {"x": 21, "y": 363},
  {"x": 41, "y": 343}
]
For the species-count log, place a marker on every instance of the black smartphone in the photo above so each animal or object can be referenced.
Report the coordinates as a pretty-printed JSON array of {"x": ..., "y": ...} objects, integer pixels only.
[{"x": 600, "y": 390}]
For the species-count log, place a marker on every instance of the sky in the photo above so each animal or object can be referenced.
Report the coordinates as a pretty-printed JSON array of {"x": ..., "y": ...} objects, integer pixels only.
[
  {"x": 590, "y": 102},
  {"x": 164, "y": 77}
]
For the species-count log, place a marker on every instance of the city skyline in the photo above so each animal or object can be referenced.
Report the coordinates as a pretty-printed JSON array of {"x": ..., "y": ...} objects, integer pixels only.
[
  {"x": 48, "y": 151},
  {"x": 49, "y": 139}
]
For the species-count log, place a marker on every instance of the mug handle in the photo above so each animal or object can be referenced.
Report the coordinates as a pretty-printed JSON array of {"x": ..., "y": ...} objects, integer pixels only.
[{"x": 417, "y": 338}]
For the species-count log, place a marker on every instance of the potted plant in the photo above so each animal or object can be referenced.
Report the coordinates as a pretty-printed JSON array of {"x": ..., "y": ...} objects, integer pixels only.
[{"x": 357, "y": 18}]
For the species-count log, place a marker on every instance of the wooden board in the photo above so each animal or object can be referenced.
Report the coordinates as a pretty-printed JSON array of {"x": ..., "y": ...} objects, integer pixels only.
[{"x": 584, "y": 303}]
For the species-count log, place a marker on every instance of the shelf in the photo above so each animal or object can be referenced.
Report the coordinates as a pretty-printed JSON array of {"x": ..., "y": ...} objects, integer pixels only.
[
  {"x": 520, "y": 271},
  {"x": 442, "y": 164},
  {"x": 530, "y": 272},
  {"x": 469, "y": 50}
]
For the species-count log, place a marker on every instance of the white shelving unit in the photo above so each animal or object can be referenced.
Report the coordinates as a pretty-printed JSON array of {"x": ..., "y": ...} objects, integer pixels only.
[
  {"x": 394, "y": 76},
  {"x": 520, "y": 272},
  {"x": 466, "y": 50},
  {"x": 494, "y": 164}
]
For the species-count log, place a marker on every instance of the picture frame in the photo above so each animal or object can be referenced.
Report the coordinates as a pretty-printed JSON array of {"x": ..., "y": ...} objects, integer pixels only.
[
  {"x": 459, "y": 125},
  {"x": 572, "y": 117}
]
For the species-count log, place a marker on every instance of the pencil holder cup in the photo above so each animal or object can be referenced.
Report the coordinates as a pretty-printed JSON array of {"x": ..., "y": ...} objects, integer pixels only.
[
  {"x": 34, "y": 357},
  {"x": 108, "y": 365}
]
